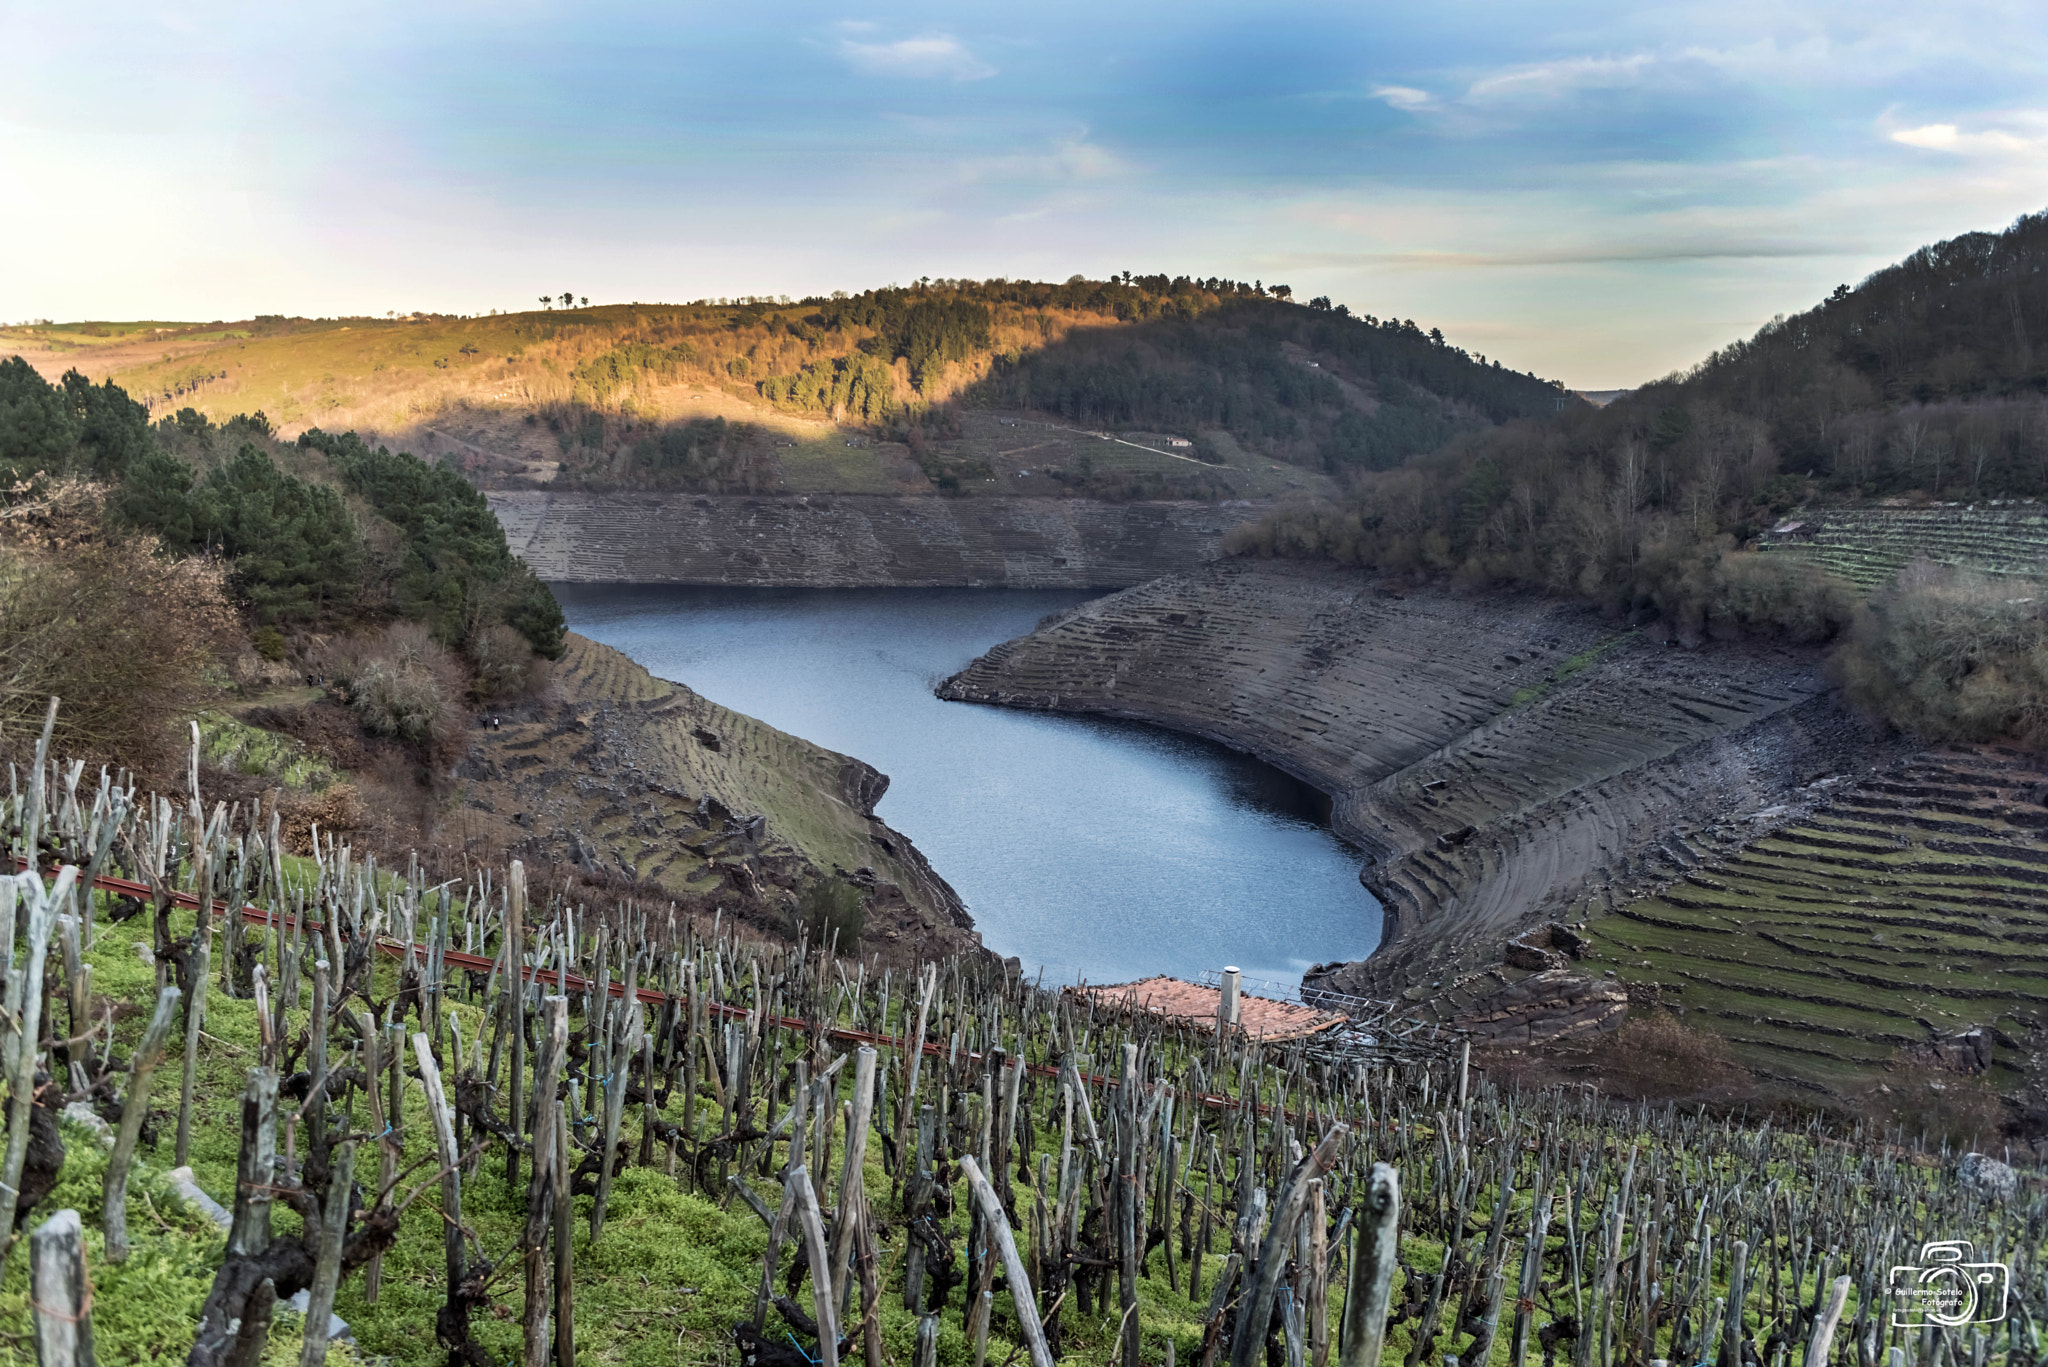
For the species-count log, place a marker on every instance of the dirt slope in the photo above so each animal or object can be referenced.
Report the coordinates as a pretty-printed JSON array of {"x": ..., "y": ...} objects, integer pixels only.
[
  {"x": 857, "y": 541},
  {"x": 624, "y": 774},
  {"x": 1499, "y": 761}
]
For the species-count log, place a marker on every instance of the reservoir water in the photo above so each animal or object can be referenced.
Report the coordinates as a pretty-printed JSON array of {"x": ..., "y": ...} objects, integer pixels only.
[{"x": 1085, "y": 847}]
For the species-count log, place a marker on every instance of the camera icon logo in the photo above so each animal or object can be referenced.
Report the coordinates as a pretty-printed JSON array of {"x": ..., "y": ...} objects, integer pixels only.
[{"x": 1947, "y": 1289}]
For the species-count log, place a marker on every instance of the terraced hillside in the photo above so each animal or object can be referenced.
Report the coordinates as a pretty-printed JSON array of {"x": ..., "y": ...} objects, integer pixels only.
[
  {"x": 851, "y": 541},
  {"x": 1561, "y": 809},
  {"x": 1906, "y": 916},
  {"x": 1869, "y": 546},
  {"x": 625, "y": 774},
  {"x": 1499, "y": 760}
]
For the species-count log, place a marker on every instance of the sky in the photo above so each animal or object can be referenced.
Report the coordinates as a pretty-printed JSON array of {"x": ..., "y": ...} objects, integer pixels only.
[{"x": 1598, "y": 192}]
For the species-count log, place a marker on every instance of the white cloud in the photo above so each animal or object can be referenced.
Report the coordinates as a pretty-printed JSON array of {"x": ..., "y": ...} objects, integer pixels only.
[
  {"x": 1949, "y": 137},
  {"x": 1549, "y": 80},
  {"x": 1403, "y": 97},
  {"x": 1067, "y": 160},
  {"x": 929, "y": 57}
]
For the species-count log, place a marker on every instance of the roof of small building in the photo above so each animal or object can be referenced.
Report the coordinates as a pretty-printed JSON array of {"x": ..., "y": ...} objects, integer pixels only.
[{"x": 1261, "y": 1017}]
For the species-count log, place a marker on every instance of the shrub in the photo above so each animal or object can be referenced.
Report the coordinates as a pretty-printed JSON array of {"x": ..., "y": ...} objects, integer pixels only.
[
  {"x": 335, "y": 810},
  {"x": 1951, "y": 655},
  {"x": 506, "y": 666},
  {"x": 127, "y": 639},
  {"x": 269, "y": 643},
  {"x": 1929, "y": 1100},
  {"x": 829, "y": 907},
  {"x": 1656, "y": 1057},
  {"x": 1794, "y": 597},
  {"x": 402, "y": 685}
]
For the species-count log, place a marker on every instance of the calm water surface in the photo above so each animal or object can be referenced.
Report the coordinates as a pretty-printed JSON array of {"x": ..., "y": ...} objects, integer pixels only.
[{"x": 1084, "y": 847}]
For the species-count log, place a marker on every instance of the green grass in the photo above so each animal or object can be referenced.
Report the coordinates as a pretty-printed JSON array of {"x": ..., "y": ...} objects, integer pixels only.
[
  {"x": 144, "y": 1307},
  {"x": 1567, "y": 668},
  {"x": 1820, "y": 949},
  {"x": 230, "y": 743},
  {"x": 664, "y": 1284}
]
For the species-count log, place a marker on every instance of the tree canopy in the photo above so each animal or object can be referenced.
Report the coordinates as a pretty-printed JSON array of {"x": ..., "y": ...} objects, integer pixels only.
[
  {"x": 458, "y": 575},
  {"x": 299, "y": 535}
]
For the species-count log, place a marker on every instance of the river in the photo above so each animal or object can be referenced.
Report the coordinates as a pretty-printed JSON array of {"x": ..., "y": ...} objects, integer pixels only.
[{"x": 1085, "y": 847}]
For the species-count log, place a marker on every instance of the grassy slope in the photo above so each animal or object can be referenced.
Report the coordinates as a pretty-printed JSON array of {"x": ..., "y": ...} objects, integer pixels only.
[{"x": 1915, "y": 905}]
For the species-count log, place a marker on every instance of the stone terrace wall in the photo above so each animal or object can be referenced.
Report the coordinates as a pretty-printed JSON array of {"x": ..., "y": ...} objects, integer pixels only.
[{"x": 841, "y": 541}]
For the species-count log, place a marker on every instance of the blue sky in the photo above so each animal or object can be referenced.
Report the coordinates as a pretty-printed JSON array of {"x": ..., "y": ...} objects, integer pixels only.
[{"x": 1601, "y": 192}]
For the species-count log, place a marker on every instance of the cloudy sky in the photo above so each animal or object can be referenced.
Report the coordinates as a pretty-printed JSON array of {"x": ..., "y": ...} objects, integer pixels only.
[{"x": 1601, "y": 192}]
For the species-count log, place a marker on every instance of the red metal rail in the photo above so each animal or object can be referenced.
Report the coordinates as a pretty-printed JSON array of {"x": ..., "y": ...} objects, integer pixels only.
[{"x": 565, "y": 981}]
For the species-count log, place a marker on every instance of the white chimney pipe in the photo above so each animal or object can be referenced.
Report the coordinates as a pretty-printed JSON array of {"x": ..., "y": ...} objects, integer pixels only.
[{"x": 1227, "y": 1009}]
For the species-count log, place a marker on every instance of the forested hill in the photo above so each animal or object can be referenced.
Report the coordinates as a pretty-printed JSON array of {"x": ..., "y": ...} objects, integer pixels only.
[
  {"x": 1312, "y": 385},
  {"x": 310, "y": 540},
  {"x": 1961, "y": 322},
  {"x": 861, "y": 391},
  {"x": 1924, "y": 385},
  {"x": 1928, "y": 376}
]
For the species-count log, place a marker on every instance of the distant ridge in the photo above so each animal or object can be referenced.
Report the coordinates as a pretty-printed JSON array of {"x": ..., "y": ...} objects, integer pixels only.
[{"x": 846, "y": 393}]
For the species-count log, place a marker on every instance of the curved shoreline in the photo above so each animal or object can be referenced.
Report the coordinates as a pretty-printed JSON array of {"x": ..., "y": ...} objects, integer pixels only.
[{"x": 1502, "y": 761}]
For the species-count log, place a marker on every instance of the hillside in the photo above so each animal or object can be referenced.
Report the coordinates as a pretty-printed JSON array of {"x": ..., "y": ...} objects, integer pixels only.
[
  {"x": 1731, "y": 844},
  {"x": 638, "y": 782},
  {"x": 1003, "y": 1174},
  {"x": 1903, "y": 918},
  {"x": 858, "y": 540},
  {"x": 1546, "y": 675},
  {"x": 1211, "y": 389},
  {"x": 1921, "y": 384}
]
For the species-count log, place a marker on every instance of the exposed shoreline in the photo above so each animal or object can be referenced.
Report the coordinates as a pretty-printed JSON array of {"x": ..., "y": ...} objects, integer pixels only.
[
  {"x": 624, "y": 775},
  {"x": 859, "y": 540},
  {"x": 1502, "y": 761}
]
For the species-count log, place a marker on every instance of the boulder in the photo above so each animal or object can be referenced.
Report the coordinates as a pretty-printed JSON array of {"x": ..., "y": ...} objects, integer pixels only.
[
  {"x": 1552, "y": 945},
  {"x": 1987, "y": 1177}
]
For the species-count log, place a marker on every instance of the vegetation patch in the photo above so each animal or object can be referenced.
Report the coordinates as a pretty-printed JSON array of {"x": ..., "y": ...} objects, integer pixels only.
[{"x": 1853, "y": 940}]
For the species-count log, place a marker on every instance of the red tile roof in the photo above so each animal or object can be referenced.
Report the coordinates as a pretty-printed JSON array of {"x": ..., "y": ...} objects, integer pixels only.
[{"x": 1261, "y": 1017}]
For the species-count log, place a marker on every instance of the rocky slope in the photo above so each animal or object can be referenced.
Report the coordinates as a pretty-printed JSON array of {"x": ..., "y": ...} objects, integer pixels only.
[
  {"x": 853, "y": 541},
  {"x": 633, "y": 778},
  {"x": 1500, "y": 762}
]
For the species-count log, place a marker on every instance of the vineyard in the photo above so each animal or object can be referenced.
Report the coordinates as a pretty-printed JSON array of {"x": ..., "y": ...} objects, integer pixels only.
[
  {"x": 1869, "y": 546},
  {"x": 1905, "y": 917},
  {"x": 481, "y": 1124}
]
